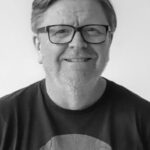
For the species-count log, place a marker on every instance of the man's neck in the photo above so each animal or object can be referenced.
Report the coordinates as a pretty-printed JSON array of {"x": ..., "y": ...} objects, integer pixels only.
[{"x": 76, "y": 98}]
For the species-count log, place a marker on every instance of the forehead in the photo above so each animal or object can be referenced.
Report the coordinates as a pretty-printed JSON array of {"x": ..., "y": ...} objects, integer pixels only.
[{"x": 74, "y": 12}]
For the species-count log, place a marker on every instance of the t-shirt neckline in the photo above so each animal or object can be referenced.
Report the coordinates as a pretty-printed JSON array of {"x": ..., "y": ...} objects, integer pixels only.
[{"x": 51, "y": 104}]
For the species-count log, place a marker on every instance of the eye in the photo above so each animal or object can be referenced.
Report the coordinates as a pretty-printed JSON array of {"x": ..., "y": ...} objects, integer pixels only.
[
  {"x": 95, "y": 30},
  {"x": 92, "y": 31},
  {"x": 60, "y": 32}
]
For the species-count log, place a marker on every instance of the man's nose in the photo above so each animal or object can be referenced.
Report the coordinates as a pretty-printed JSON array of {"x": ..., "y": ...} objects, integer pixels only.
[{"x": 78, "y": 41}]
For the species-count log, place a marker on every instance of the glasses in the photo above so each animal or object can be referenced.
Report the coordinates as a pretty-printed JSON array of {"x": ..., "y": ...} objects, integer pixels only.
[{"x": 62, "y": 34}]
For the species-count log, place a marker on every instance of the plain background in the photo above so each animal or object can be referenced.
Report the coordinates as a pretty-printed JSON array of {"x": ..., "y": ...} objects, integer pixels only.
[{"x": 129, "y": 63}]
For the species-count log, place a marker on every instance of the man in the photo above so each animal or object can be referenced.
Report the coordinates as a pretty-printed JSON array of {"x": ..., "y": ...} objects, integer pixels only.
[{"x": 74, "y": 108}]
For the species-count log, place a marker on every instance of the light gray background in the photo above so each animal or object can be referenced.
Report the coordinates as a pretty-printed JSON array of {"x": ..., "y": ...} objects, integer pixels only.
[{"x": 129, "y": 58}]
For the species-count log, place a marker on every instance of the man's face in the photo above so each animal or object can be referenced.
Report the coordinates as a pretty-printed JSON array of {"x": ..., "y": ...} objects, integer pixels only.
[{"x": 54, "y": 56}]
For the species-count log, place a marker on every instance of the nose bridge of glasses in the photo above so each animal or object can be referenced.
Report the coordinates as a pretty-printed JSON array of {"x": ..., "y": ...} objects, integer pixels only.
[{"x": 79, "y": 30}]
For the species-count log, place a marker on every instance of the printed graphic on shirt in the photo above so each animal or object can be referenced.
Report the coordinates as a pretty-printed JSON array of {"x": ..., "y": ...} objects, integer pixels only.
[{"x": 75, "y": 142}]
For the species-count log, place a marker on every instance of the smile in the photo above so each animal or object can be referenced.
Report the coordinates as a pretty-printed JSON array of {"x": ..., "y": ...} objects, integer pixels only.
[{"x": 78, "y": 59}]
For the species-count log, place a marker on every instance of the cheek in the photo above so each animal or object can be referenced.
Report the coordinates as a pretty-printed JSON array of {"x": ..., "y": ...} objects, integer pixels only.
[
  {"x": 51, "y": 54},
  {"x": 102, "y": 51}
]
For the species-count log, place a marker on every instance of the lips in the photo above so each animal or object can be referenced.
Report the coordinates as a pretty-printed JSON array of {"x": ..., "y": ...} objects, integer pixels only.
[{"x": 78, "y": 59}]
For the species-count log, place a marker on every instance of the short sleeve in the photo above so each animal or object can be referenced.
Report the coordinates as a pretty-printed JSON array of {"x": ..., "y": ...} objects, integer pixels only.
[{"x": 3, "y": 126}]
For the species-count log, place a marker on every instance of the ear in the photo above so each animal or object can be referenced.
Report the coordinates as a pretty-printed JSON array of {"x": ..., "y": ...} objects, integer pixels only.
[
  {"x": 110, "y": 38},
  {"x": 37, "y": 44}
]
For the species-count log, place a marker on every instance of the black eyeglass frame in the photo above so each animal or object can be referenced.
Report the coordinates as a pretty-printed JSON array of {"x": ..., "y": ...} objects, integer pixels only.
[{"x": 79, "y": 29}]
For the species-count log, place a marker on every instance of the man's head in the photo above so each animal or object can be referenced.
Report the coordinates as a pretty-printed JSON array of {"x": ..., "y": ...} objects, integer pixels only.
[{"x": 77, "y": 53}]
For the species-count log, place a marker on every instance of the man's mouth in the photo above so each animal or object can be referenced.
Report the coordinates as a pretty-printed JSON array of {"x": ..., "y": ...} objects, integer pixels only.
[{"x": 78, "y": 59}]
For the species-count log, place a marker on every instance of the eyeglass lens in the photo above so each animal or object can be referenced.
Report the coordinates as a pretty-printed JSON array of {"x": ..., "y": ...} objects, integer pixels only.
[{"x": 64, "y": 33}]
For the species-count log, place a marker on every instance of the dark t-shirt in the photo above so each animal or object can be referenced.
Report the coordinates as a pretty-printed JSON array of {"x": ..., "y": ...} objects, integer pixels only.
[{"x": 29, "y": 120}]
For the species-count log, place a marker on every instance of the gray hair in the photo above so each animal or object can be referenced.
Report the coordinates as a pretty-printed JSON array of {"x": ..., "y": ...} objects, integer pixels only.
[{"x": 40, "y": 6}]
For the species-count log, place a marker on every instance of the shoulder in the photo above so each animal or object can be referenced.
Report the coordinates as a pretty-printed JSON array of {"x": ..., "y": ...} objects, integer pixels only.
[
  {"x": 21, "y": 93},
  {"x": 19, "y": 99},
  {"x": 127, "y": 102},
  {"x": 122, "y": 94}
]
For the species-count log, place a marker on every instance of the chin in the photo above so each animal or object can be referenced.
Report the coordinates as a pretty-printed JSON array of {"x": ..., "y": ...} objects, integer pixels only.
[{"x": 79, "y": 79}]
